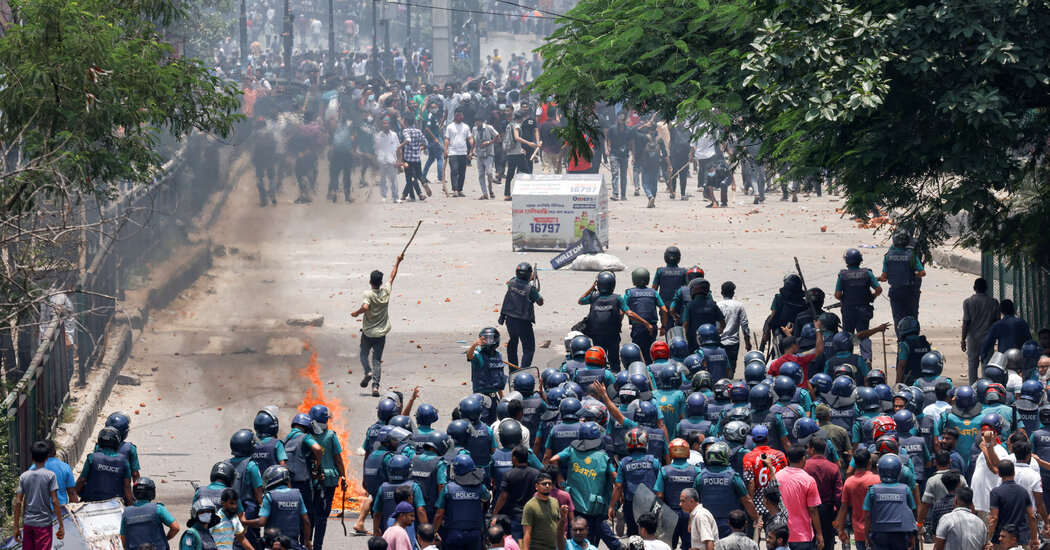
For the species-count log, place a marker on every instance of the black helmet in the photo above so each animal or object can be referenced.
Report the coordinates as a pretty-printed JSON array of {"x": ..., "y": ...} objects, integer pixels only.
[
  {"x": 901, "y": 239},
  {"x": 606, "y": 282},
  {"x": 121, "y": 421},
  {"x": 242, "y": 443},
  {"x": 276, "y": 476},
  {"x": 672, "y": 255},
  {"x": 579, "y": 346},
  {"x": 144, "y": 489},
  {"x": 640, "y": 276},
  {"x": 509, "y": 433},
  {"x": 523, "y": 271},
  {"x": 853, "y": 257},
  {"x": 266, "y": 423},
  {"x": 792, "y": 282},
  {"x": 491, "y": 337},
  {"x": 109, "y": 438},
  {"x": 224, "y": 473}
]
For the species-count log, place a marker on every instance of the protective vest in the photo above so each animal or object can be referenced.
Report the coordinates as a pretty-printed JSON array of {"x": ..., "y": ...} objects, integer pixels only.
[
  {"x": 490, "y": 377},
  {"x": 716, "y": 492},
  {"x": 670, "y": 279},
  {"x": 899, "y": 270},
  {"x": 643, "y": 302},
  {"x": 516, "y": 303},
  {"x": 691, "y": 425},
  {"x": 1028, "y": 419},
  {"x": 201, "y": 534},
  {"x": 657, "y": 441},
  {"x": 715, "y": 410},
  {"x": 618, "y": 432},
  {"x": 791, "y": 304},
  {"x": 1041, "y": 447},
  {"x": 240, "y": 481},
  {"x": 284, "y": 512},
  {"x": 683, "y": 300},
  {"x": 142, "y": 526},
  {"x": 702, "y": 310},
  {"x": 571, "y": 366},
  {"x": 265, "y": 454},
  {"x": 386, "y": 498},
  {"x": 297, "y": 460},
  {"x": 419, "y": 439},
  {"x": 913, "y": 445},
  {"x": 889, "y": 509},
  {"x": 106, "y": 480},
  {"x": 480, "y": 445},
  {"x": 214, "y": 495},
  {"x": 637, "y": 471},
  {"x": 843, "y": 416},
  {"x": 424, "y": 473},
  {"x": 464, "y": 508},
  {"x": 501, "y": 464},
  {"x": 929, "y": 387},
  {"x": 677, "y": 478},
  {"x": 716, "y": 359},
  {"x": 125, "y": 450},
  {"x": 374, "y": 472},
  {"x": 917, "y": 347},
  {"x": 926, "y": 424},
  {"x": 562, "y": 435},
  {"x": 370, "y": 436},
  {"x": 604, "y": 316},
  {"x": 531, "y": 409},
  {"x": 789, "y": 414},
  {"x": 586, "y": 376},
  {"x": 769, "y": 420},
  {"x": 855, "y": 287}
]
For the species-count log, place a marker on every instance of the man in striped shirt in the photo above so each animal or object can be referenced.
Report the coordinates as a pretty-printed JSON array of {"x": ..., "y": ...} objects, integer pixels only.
[{"x": 412, "y": 145}]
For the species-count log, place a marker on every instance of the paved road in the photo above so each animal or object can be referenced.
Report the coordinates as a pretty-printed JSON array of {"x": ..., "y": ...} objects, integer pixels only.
[{"x": 222, "y": 350}]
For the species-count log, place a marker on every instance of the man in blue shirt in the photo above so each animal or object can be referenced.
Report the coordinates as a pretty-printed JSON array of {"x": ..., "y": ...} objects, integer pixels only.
[
  {"x": 1006, "y": 333},
  {"x": 66, "y": 482}
]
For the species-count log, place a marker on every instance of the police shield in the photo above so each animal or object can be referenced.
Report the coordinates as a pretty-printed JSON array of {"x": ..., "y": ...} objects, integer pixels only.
[
  {"x": 674, "y": 332},
  {"x": 645, "y": 501}
]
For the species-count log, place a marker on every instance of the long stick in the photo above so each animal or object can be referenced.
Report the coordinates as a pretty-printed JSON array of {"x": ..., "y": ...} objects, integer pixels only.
[
  {"x": 412, "y": 237},
  {"x": 805, "y": 292},
  {"x": 885, "y": 361},
  {"x": 444, "y": 186},
  {"x": 536, "y": 277},
  {"x": 342, "y": 518}
]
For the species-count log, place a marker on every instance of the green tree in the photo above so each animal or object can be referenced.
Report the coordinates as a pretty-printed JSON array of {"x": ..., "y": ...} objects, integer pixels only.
[{"x": 926, "y": 109}]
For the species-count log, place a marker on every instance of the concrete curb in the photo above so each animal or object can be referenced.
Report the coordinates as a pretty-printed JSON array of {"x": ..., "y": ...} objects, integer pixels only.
[{"x": 956, "y": 261}]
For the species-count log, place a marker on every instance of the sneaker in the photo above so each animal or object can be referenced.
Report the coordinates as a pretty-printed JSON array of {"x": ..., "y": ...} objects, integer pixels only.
[
  {"x": 757, "y": 200},
  {"x": 366, "y": 380},
  {"x": 712, "y": 205},
  {"x": 685, "y": 197},
  {"x": 375, "y": 392},
  {"x": 614, "y": 198},
  {"x": 483, "y": 198},
  {"x": 652, "y": 202}
]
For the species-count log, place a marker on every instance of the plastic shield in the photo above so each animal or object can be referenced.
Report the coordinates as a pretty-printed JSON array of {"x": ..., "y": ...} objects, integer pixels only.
[{"x": 645, "y": 501}]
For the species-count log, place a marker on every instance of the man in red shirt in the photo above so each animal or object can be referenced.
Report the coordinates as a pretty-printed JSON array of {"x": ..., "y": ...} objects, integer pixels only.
[
  {"x": 789, "y": 347},
  {"x": 761, "y": 465},
  {"x": 853, "y": 493},
  {"x": 798, "y": 492},
  {"x": 829, "y": 485}
]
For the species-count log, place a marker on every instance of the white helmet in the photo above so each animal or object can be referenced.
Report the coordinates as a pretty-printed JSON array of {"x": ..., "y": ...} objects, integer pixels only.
[{"x": 568, "y": 338}]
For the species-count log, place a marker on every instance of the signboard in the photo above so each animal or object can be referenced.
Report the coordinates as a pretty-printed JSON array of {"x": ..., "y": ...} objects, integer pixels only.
[
  {"x": 550, "y": 211},
  {"x": 588, "y": 244}
]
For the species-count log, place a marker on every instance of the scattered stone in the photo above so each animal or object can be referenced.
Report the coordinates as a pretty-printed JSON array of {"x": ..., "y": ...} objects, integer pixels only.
[
  {"x": 128, "y": 379},
  {"x": 219, "y": 251},
  {"x": 306, "y": 320},
  {"x": 546, "y": 344}
]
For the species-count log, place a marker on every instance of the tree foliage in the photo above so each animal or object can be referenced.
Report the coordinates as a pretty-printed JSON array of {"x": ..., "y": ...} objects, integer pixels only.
[{"x": 927, "y": 109}]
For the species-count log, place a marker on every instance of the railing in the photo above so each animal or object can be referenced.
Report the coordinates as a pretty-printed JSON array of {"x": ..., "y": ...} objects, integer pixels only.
[{"x": 1028, "y": 285}]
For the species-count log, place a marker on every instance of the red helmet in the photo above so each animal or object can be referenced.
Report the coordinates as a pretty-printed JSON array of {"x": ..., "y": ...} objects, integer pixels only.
[
  {"x": 993, "y": 389},
  {"x": 595, "y": 356},
  {"x": 887, "y": 444},
  {"x": 678, "y": 448},
  {"x": 659, "y": 350},
  {"x": 637, "y": 438},
  {"x": 883, "y": 425},
  {"x": 694, "y": 273}
]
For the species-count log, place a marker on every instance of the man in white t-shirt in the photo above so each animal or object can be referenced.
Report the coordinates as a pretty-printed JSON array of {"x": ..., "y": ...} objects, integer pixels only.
[
  {"x": 984, "y": 478},
  {"x": 458, "y": 142},
  {"x": 388, "y": 155}
]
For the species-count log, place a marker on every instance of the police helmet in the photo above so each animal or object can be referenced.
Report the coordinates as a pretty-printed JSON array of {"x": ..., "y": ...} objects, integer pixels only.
[
  {"x": 595, "y": 356},
  {"x": 640, "y": 276},
  {"x": 459, "y": 431},
  {"x": 590, "y": 431},
  {"x": 804, "y": 427},
  {"x": 917, "y": 401},
  {"x": 1014, "y": 359},
  {"x": 701, "y": 380},
  {"x": 678, "y": 448},
  {"x": 554, "y": 397},
  {"x": 736, "y": 432},
  {"x": 844, "y": 369},
  {"x": 890, "y": 468},
  {"x": 393, "y": 435},
  {"x": 707, "y": 333},
  {"x": 875, "y": 377},
  {"x": 629, "y": 353},
  {"x": 426, "y": 414},
  {"x": 993, "y": 422},
  {"x": 606, "y": 282},
  {"x": 402, "y": 421},
  {"x": 761, "y": 397},
  {"x": 792, "y": 370},
  {"x": 320, "y": 414},
  {"x": 266, "y": 424},
  {"x": 647, "y": 415},
  {"x": 672, "y": 255},
  {"x": 932, "y": 364},
  {"x": 557, "y": 379},
  {"x": 637, "y": 439},
  {"x": 679, "y": 348},
  {"x": 242, "y": 443},
  {"x": 144, "y": 489},
  {"x": 470, "y": 408},
  {"x": 509, "y": 432},
  {"x": 887, "y": 444},
  {"x": 439, "y": 441},
  {"x": 568, "y": 408},
  {"x": 721, "y": 388},
  {"x": 901, "y": 239},
  {"x": 843, "y": 387},
  {"x": 659, "y": 350},
  {"x": 109, "y": 438},
  {"x": 754, "y": 355},
  {"x": 121, "y": 422},
  {"x": 523, "y": 382},
  {"x": 279, "y": 476},
  {"x": 965, "y": 398},
  {"x": 224, "y": 473},
  {"x": 667, "y": 377},
  {"x": 399, "y": 468},
  {"x": 694, "y": 273},
  {"x": 754, "y": 373},
  {"x": 568, "y": 343},
  {"x": 867, "y": 399},
  {"x": 792, "y": 283},
  {"x": 579, "y": 346},
  {"x": 760, "y": 434},
  {"x": 821, "y": 382},
  {"x": 695, "y": 405},
  {"x": 1032, "y": 390},
  {"x": 1044, "y": 415},
  {"x": 620, "y": 379},
  {"x": 885, "y": 396},
  {"x": 996, "y": 374},
  {"x": 386, "y": 409},
  {"x": 808, "y": 336},
  {"x": 743, "y": 414},
  {"x": 490, "y": 338},
  {"x": 842, "y": 341},
  {"x": 905, "y": 421},
  {"x": 784, "y": 387},
  {"x": 829, "y": 321},
  {"x": 640, "y": 381},
  {"x": 572, "y": 389},
  {"x": 463, "y": 465},
  {"x": 980, "y": 387},
  {"x": 908, "y": 326},
  {"x": 523, "y": 272},
  {"x": 717, "y": 454},
  {"x": 852, "y": 257},
  {"x": 739, "y": 392}
]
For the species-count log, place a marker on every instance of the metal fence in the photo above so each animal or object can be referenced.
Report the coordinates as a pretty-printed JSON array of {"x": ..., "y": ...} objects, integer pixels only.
[{"x": 1028, "y": 285}]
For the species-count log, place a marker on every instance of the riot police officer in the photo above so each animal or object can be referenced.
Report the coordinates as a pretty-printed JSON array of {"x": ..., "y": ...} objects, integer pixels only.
[
  {"x": 333, "y": 468},
  {"x": 122, "y": 423},
  {"x": 669, "y": 279},
  {"x": 461, "y": 505},
  {"x": 487, "y": 374},
  {"x": 787, "y": 305},
  {"x": 565, "y": 432},
  {"x": 284, "y": 507},
  {"x": 678, "y": 476},
  {"x": 304, "y": 460},
  {"x": 221, "y": 478},
  {"x": 649, "y": 305},
  {"x": 532, "y": 404},
  {"x": 930, "y": 367},
  {"x": 683, "y": 295},
  {"x": 721, "y": 488},
  {"x": 700, "y": 311},
  {"x": 903, "y": 270},
  {"x": 481, "y": 441},
  {"x": 203, "y": 516},
  {"x": 144, "y": 522},
  {"x": 910, "y": 350},
  {"x": 716, "y": 360},
  {"x": 106, "y": 473},
  {"x": 853, "y": 289},
  {"x": 269, "y": 450},
  {"x": 605, "y": 318},
  {"x": 636, "y": 469},
  {"x": 891, "y": 507},
  {"x": 695, "y": 418},
  {"x": 399, "y": 474},
  {"x": 519, "y": 312}
]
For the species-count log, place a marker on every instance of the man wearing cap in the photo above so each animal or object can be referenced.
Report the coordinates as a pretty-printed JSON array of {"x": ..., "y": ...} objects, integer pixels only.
[{"x": 396, "y": 536}]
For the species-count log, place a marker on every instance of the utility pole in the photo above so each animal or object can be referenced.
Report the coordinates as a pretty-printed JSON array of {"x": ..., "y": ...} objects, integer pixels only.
[
  {"x": 286, "y": 37},
  {"x": 244, "y": 32},
  {"x": 331, "y": 32},
  {"x": 442, "y": 43},
  {"x": 375, "y": 47}
]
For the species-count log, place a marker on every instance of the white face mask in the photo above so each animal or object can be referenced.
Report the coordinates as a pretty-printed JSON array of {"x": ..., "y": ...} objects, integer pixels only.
[{"x": 205, "y": 518}]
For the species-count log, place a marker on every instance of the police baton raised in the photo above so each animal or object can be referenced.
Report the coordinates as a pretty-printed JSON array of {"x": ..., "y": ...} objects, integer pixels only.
[{"x": 805, "y": 291}]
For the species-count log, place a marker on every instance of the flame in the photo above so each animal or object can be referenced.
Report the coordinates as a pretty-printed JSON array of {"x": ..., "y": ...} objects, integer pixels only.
[{"x": 316, "y": 395}]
